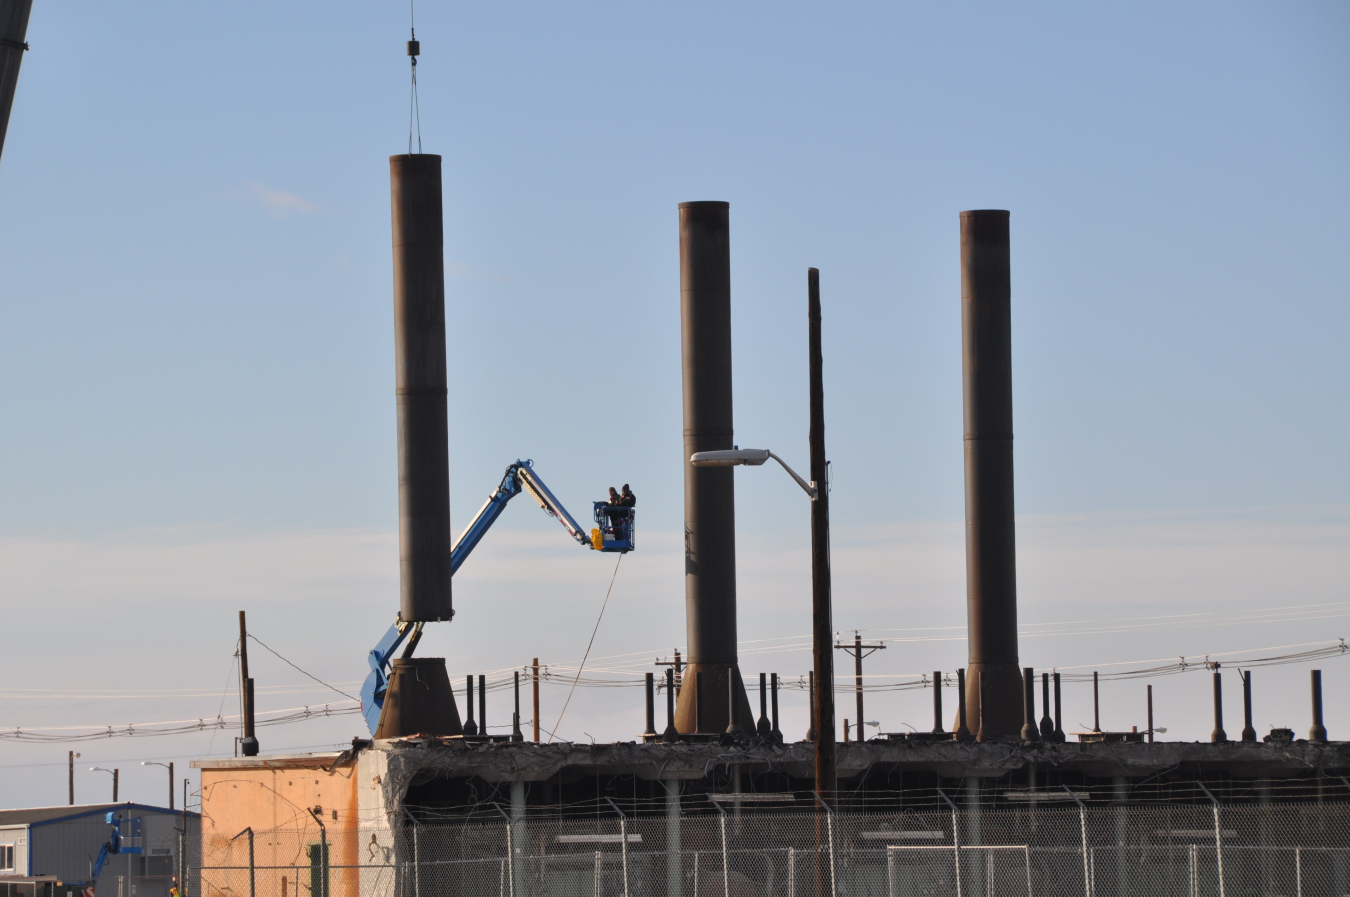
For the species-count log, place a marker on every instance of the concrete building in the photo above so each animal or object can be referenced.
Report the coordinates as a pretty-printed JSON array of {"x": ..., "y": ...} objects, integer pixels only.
[{"x": 62, "y": 844}]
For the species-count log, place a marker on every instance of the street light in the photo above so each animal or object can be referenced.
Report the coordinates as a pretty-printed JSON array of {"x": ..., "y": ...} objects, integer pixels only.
[
  {"x": 111, "y": 772},
  {"x": 750, "y": 458},
  {"x": 169, "y": 767}
]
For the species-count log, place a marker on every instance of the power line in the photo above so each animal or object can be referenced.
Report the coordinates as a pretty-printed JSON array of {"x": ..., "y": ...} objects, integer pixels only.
[{"x": 310, "y": 675}]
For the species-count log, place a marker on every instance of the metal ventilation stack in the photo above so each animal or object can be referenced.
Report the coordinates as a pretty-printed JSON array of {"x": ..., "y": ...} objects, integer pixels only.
[
  {"x": 419, "y": 690},
  {"x": 993, "y": 678},
  {"x": 712, "y": 675}
]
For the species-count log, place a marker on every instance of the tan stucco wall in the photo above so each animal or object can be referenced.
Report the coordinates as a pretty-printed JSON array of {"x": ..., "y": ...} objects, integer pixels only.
[{"x": 275, "y": 800}]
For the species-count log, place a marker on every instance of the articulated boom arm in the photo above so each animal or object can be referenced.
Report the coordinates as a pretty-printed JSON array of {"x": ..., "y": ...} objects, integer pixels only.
[
  {"x": 519, "y": 477},
  {"x": 126, "y": 838}
]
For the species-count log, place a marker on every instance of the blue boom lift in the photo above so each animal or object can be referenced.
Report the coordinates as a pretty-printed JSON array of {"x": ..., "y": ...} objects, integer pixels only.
[
  {"x": 613, "y": 532},
  {"x": 126, "y": 838}
]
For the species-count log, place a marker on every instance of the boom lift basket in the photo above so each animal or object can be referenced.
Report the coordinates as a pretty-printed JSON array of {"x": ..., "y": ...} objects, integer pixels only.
[{"x": 615, "y": 527}]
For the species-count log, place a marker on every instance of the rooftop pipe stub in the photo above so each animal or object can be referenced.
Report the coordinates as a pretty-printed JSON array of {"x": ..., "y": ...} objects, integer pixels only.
[{"x": 419, "y": 700}]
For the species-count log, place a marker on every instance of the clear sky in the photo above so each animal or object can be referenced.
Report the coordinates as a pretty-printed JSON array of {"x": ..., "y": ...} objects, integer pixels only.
[{"x": 196, "y": 351}]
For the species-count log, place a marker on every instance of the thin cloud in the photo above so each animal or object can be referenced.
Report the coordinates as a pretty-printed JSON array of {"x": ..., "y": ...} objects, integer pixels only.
[{"x": 277, "y": 203}]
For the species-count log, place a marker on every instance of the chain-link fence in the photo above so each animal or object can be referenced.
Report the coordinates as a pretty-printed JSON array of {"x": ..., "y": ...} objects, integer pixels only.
[{"x": 729, "y": 851}]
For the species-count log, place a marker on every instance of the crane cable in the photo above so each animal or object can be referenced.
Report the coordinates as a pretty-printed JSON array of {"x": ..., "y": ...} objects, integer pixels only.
[
  {"x": 414, "y": 111},
  {"x": 573, "y": 689}
]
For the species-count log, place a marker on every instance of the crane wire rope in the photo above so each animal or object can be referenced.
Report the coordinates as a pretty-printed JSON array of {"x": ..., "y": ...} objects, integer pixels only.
[
  {"x": 573, "y": 689},
  {"x": 414, "y": 110}
]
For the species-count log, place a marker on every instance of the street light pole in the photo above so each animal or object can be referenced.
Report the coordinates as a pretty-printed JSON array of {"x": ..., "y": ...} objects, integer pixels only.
[
  {"x": 822, "y": 623},
  {"x": 169, "y": 767},
  {"x": 111, "y": 772}
]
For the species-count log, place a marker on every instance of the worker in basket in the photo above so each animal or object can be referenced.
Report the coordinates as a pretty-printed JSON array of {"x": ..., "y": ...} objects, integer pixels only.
[{"x": 618, "y": 518}]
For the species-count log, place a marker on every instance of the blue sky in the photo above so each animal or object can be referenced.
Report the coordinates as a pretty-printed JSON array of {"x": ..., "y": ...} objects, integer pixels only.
[{"x": 196, "y": 340}]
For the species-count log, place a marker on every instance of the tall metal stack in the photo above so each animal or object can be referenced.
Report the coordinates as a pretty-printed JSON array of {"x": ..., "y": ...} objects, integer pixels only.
[
  {"x": 993, "y": 679},
  {"x": 709, "y": 492},
  {"x": 419, "y": 356},
  {"x": 419, "y": 699}
]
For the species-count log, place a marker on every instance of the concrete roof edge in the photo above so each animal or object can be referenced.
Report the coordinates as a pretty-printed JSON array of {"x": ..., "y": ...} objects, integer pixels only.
[{"x": 316, "y": 760}]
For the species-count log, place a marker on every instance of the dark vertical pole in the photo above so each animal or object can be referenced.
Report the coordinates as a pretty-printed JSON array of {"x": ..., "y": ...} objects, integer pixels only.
[
  {"x": 980, "y": 734},
  {"x": 1029, "y": 730},
  {"x": 1047, "y": 724},
  {"x": 250, "y": 703},
  {"x": 72, "y": 778},
  {"x": 649, "y": 682},
  {"x": 991, "y": 570},
  {"x": 1096, "y": 705},
  {"x": 776, "y": 733},
  {"x": 515, "y": 717},
  {"x": 420, "y": 384},
  {"x": 536, "y": 700},
  {"x": 248, "y": 745},
  {"x": 1248, "y": 731},
  {"x": 709, "y": 492},
  {"x": 482, "y": 706},
  {"x": 470, "y": 728},
  {"x": 116, "y": 775},
  {"x": 170, "y": 784},
  {"x": 1318, "y": 732},
  {"x": 763, "y": 728},
  {"x": 1059, "y": 718},
  {"x": 857, "y": 682},
  {"x": 1218, "y": 734},
  {"x": 1150, "y": 714},
  {"x": 822, "y": 623},
  {"x": 13, "y": 30},
  {"x": 811, "y": 706},
  {"x": 938, "y": 728},
  {"x": 698, "y": 703},
  {"x": 670, "y": 734},
  {"x": 734, "y": 727},
  {"x": 962, "y": 731}
]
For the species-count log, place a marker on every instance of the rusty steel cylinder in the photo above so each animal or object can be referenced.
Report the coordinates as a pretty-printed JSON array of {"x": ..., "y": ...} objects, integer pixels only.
[
  {"x": 420, "y": 383},
  {"x": 709, "y": 492},
  {"x": 991, "y": 571},
  {"x": 13, "y": 30}
]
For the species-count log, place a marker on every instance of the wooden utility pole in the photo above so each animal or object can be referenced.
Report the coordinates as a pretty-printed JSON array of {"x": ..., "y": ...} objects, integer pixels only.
[
  {"x": 248, "y": 744},
  {"x": 859, "y": 651},
  {"x": 535, "y": 677},
  {"x": 822, "y": 624}
]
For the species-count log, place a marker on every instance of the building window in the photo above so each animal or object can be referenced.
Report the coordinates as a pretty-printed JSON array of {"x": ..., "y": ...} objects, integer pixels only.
[{"x": 6, "y": 857}]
